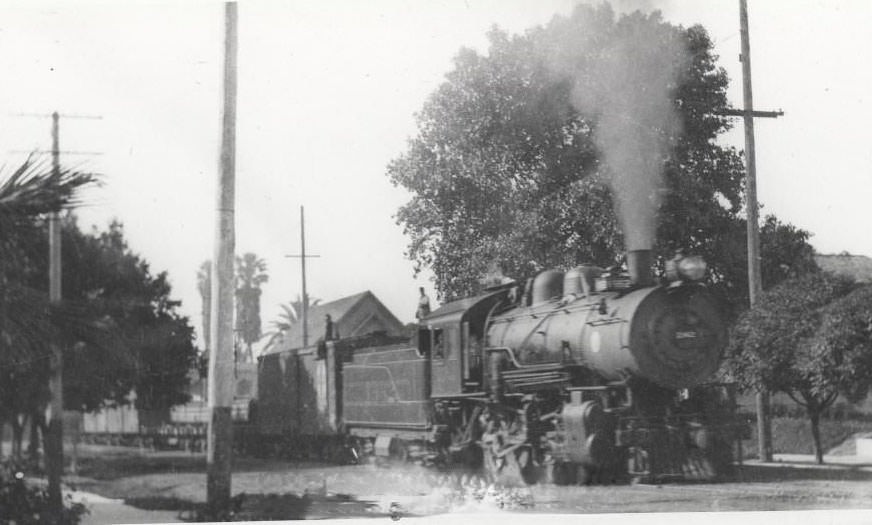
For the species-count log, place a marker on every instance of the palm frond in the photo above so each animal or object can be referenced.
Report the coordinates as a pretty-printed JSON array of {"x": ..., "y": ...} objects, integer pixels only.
[
  {"x": 34, "y": 188},
  {"x": 27, "y": 326},
  {"x": 288, "y": 316}
]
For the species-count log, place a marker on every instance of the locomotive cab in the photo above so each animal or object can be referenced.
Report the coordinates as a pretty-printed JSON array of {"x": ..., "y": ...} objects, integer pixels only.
[{"x": 453, "y": 338}]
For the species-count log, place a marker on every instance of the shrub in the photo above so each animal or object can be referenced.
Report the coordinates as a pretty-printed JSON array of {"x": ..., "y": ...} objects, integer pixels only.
[{"x": 24, "y": 504}]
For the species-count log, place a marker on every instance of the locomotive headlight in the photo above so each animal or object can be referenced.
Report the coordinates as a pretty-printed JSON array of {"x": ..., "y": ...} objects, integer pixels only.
[{"x": 692, "y": 268}]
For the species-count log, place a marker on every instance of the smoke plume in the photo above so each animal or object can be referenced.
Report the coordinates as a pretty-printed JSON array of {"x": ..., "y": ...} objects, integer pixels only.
[{"x": 624, "y": 73}]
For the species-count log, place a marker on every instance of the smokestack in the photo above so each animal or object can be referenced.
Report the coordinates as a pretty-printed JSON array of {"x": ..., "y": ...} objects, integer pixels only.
[{"x": 639, "y": 265}]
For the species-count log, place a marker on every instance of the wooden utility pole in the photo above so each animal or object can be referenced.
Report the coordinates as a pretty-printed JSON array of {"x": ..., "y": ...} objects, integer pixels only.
[
  {"x": 54, "y": 439},
  {"x": 755, "y": 283},
  {"x": 54, "y": 443},
  {"x": 303, "y": 266},
  {"x": 221, "y": 355},
  {"x": 305, "y": 313}
]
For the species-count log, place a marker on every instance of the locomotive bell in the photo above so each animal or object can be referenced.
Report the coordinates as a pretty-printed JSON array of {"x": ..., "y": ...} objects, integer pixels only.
[{"x": 581, "y": 281}]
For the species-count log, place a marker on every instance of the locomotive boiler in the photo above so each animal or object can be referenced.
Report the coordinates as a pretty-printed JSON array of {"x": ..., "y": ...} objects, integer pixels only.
[{"x": 670, "y": 335}]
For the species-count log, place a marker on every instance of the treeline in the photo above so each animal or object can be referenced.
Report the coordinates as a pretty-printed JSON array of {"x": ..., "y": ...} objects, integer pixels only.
[{"x": 117, "y": 325}]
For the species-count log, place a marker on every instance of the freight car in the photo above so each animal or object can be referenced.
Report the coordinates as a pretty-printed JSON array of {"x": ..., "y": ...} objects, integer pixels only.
[{"x": 583, "y": 376}]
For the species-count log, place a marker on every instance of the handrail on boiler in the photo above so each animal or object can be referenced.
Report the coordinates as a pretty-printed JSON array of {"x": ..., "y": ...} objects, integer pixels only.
[{"x": 515, "y": 362}]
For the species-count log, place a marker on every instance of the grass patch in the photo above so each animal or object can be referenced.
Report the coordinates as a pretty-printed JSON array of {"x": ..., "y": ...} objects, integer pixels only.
[
  {"x": 113, "y": 467},
  {"x": 161, "y": 503},
  {"x": 793, "y": 435}
]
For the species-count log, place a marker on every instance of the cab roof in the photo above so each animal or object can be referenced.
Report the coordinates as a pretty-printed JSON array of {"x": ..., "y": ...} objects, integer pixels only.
[{"x": 454, "y": 311}]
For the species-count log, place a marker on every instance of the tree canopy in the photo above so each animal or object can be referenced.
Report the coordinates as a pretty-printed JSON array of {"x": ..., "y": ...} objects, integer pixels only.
[
  {"x": 26, "y": 194},
  {"x": 117, "y": 324},
  {"x": 809, "y": 337},
  {"x": 142, "y": 343},
  {"x": 508, "y": 168},
  {"x": 842, "y": 346},
  {"x": 28, "y": 321}
]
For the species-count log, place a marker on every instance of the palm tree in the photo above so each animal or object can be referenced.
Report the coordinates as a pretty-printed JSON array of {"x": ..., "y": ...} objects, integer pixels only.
[
  {"x": 250, "y": 275},
  {"x": 290, "y": 315}
]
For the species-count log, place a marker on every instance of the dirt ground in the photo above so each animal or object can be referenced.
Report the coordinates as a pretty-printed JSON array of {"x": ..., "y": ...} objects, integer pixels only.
[{"x": 176, "y": 480}]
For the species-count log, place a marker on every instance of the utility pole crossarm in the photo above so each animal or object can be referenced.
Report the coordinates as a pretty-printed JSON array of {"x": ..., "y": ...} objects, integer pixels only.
[
  {"x": 64, "y": 115},
  {"x": 750, "y": 113},
  {"x": 64, "y": 152}
]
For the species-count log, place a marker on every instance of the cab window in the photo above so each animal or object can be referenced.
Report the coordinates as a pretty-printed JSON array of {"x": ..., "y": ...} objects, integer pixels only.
[
  {"x": 438, "y": 344},
  {"x": 424, "y": 342}
]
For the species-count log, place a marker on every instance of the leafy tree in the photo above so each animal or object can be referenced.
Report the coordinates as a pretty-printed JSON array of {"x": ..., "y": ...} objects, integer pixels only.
[
  {"x": 785, "y": 252},
  {"x": 842, "y": 351},
  {"x": 153, "y": 346},
  {"x": 808, "y": 337},
  {"x": 250, "y": 275},
  {"x": 26, "y": 316},
  {"x": 117, "y": 325},
  {"x": 27, "y": 194},
  {"x": 508, "y": 168},
  {"x": 23, "y": 393}
]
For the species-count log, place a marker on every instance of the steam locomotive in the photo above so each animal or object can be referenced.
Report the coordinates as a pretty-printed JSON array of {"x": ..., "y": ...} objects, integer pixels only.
[{"x": 580, "y": 376}]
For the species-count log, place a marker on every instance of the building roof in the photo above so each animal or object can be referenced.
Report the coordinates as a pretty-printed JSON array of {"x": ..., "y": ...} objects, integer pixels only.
[
  {"x": 354, "y": 315},
  {"x": 858, "y": 267}
]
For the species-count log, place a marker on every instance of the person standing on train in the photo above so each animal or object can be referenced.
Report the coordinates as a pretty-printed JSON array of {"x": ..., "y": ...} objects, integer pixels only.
[
  {"x": 423, "y": 305},
  {"x": 329, "y": 332}
]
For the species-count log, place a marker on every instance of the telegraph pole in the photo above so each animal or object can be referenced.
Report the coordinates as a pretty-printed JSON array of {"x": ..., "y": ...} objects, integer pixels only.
[
  {"x": 54, "y": 443},
  {"x": 305, "y": 313},
  {"x": 755, "y": 283},
  {"x": 221, "y": 358},
  {"x": 303, "y": 266}
]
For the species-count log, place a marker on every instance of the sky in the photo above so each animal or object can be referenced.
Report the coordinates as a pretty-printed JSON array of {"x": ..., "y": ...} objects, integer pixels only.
[{"x": 327, "y": 95}]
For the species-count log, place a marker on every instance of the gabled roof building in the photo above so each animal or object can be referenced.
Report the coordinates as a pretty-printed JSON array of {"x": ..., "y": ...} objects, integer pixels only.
[{"x": 355, "y": 315}]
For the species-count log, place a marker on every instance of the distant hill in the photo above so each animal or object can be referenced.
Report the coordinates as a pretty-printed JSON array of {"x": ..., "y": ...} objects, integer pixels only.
[{"x": 859, "y": 267}]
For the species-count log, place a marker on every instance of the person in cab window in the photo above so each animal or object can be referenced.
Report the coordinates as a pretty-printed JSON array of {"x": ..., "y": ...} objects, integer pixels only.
[{"x": 438, "y": 345}]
